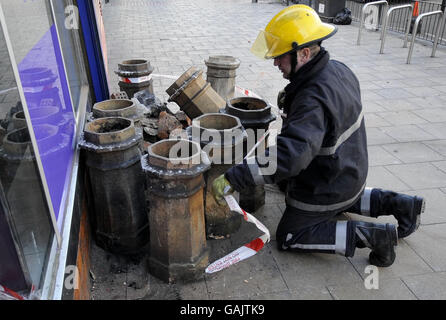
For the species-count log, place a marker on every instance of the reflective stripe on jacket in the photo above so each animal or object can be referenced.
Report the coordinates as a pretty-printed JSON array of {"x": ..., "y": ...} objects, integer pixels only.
[{"x": 322, "y": 148}]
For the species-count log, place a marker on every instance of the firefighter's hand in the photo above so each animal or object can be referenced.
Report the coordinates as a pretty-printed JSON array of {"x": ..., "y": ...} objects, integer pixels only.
[{"x": 220, "y": 188}]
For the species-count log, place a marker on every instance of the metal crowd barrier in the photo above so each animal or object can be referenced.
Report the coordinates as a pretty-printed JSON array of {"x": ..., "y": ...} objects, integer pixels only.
[
  {"x": 361, "y": 19},
  {"x": 409, "y": 19},
  {"x": 386, "y": 12},
  {"x": 437, "y": 34}
]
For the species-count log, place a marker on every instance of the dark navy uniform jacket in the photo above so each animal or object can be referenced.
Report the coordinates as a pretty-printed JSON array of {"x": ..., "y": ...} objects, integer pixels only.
[{"x": 322, "y": 148}]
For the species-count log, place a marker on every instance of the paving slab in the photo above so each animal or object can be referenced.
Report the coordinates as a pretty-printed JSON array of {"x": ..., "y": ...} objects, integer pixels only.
[
  {"x": 401, "y": 117},
  {"x": 424, "y": 91},
  {"x": 373, "y": 120},
  {"x": 429, "y": 242},
  {"x": 254, "y": 276},
  {"x": 428, "y": 286},
  {"x": 372, "y": 106},
  {"x": 419, "y": 175},
  {"x": 432, "y": 114},
  {"x": 430, "y": 102},
  {"x": 407, "y": 262},
  {"x": 395, "y": 105},
  {"x": 406, "y": 133},
  {"x": 301, "y": 294},
  {"x": 393, "y": 289},
  {"x": 438, "y": 146},
  {"x": 375, "y": 136},
  {"x": 380, "y": 177},
  {"x": 435, "y": 205},
  {"x": 413, "y": 152},
  {"x": 436, "y": 130},
  {"x": 395, "y": 93},
  {"x": 313, "y": 271},
  {"x": 440, "y": 165},
  {"x": 378, "y": 156}
]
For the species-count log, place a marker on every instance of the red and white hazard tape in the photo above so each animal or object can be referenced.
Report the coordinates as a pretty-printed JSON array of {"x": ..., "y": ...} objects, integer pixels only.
[
  {"x": 245, "y": 92},
  {"x": 8, "y": 294},
  {"x": 249, "y": 249},
  {"x": 136, "y": 80}
]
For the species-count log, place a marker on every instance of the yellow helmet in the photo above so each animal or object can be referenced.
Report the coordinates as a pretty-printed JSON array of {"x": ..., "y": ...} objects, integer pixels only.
[{"x": 292, "y": 28}]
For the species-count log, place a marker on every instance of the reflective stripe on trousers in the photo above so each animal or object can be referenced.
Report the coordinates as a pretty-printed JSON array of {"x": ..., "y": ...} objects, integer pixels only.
[
  {"x": 339, "y": 246},
  {"x": 323, "y": 208}
]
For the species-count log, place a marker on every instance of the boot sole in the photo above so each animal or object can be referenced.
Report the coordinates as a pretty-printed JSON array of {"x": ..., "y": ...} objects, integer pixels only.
[{"x": 419, "y": 207}]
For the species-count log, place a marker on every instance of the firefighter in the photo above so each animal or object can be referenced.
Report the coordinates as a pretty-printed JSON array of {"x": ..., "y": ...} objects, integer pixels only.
[{"x": 321, "y": 152}]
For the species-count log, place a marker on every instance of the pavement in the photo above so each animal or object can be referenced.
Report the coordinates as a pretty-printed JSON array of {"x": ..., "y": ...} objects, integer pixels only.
[{"x": 405, "y": 115}]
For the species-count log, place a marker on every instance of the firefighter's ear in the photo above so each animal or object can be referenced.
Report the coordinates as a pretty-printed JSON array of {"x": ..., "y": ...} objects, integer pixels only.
[{"x": 304, "y": 54}]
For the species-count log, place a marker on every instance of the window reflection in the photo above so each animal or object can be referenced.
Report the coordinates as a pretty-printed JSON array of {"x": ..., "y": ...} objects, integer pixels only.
[
  {"x": 45, "y": 86},
  {"x": 19, "y": 177},
  {"x": 51, "y": 69},
  {"x": 71, "y": 44}
]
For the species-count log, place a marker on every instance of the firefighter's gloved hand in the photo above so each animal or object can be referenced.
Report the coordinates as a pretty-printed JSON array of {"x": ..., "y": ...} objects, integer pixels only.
[{"x": 220, "y": 188}]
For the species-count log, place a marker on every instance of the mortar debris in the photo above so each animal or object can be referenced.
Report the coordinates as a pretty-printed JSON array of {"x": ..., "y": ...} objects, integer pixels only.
[
  {"x": 111, "y": 126},
  {"x": 245, "y": 106}
]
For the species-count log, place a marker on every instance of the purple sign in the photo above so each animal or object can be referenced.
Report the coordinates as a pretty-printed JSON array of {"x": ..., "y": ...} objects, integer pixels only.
[{"x": 47, "y": 97}]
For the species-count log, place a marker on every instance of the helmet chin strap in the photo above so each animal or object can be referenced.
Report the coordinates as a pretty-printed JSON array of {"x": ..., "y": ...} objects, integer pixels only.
[
  {"x": 293, "y": 60},
  {"x": 293, "y": 64}
]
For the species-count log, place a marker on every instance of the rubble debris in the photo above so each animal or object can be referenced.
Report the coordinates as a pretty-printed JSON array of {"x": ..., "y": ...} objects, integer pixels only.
[
  {"x": 153, "y": 105},
  {"x": 178, "y": 134},
  {"x": 145, "y": 97},
  {"x": 166, "y": 124},
  {"x": 119, "y": 95},
  {"x": 150, "y": 129},
  {"x": 183, "y": 118}
]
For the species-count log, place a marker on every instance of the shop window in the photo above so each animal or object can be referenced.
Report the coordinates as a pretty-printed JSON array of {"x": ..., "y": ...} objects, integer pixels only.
[
  {"x": 66, "y": 15},
  {"x": 43, "y": 99},
  {"x": 24, "y": 206}
]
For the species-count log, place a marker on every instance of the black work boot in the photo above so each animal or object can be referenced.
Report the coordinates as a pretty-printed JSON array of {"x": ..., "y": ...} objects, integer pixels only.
[
  {"x": 406, "y": 209},
  {"x": 380, "y": 238}
]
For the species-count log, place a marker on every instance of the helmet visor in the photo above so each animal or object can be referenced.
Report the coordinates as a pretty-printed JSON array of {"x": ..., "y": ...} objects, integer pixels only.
[{"x": 268, "y": 46}]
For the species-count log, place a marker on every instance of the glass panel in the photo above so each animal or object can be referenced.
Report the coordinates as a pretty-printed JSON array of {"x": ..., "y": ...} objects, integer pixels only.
[
  {"x": 38, "y": 56},
  {"x": 19, "y": 175},
  {"x": 68, "y": 27}
]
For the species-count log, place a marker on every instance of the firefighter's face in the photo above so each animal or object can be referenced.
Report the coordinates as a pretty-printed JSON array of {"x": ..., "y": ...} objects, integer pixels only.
[{"x": 283, "y": 62}]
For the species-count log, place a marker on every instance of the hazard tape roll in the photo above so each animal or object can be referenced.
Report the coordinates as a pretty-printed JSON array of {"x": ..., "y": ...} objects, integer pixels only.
[{"x": 246, "y": 251}]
